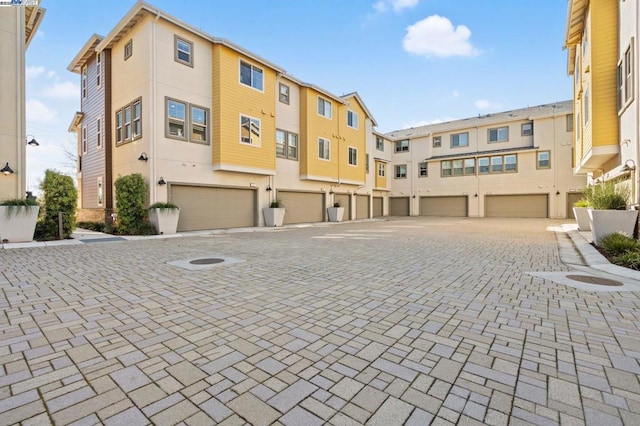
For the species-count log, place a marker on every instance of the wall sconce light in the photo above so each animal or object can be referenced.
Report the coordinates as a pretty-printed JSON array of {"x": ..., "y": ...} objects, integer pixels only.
[
  {"x": 331, "y": 191},
  {"x": 475, "y": 195},
  {"x": 252, "y": 184},
  {"x": 6, "y": 169},
  {"x": 32, "y": 141},
  {"x": 268, "y": 188},
  {"x": 414, "y": 196},
  {"x": 143, "y": 157},
  {"x": 557, "y": 192},
  {"x": 162, "y": 181}
]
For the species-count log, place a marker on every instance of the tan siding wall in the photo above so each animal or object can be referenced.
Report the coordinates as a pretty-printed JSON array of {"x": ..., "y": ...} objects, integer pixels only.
[
  {"x": 355, "y": 138},
  {"x": 314, "y": 126}
]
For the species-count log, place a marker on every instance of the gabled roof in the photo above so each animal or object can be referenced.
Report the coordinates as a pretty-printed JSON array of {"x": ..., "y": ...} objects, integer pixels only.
[
  {"x": 575, "y": 26},
  {"x": 33, "y": 16},
  {"x": 362, "y": 104},
  {"x": 522, "y": 114},
  {"x": 77, "y": 119},
  {"x": 88, "y": 50}
]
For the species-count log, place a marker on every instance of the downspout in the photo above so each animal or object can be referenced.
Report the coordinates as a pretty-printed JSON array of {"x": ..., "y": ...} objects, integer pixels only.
[
  {"x": 20, "y": 55},
  {"x": 152, "y": 156},
  {"x": 636, "y": 178}
]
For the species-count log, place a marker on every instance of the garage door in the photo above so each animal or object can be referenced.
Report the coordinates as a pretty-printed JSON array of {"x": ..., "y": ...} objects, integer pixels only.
[
  {"x": 522, "y": 205},
  {"x": 343, "y": 199},
  {"x": 444, "y": 206},
  {"x": 205, "y": 207},
  {"x": 399, "y": 206},
  {"x": 572, "y": 197},
  {"x": 362, "y": 207},
  {"x": 377, "y": 207},
  {"x": 302, "y": 207}
]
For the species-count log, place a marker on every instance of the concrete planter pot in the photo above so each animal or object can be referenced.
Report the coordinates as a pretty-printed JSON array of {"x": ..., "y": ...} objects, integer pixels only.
[
  {"x": 18, "y": 223},
  {"x": 335, "y": 214},
  {"x": 582, "y": 217},
  {"x": 605, "y": 222},
  {"x": 164, "y": 220},
  {"x": 273, "y": 216}
]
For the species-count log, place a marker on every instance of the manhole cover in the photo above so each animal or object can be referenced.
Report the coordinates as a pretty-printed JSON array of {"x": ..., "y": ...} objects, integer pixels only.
[
  {"x": 207, "y": 261},
  {"x": 587, "y": 279}
]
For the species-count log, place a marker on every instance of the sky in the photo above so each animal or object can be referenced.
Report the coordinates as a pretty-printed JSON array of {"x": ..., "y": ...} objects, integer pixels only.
[{"x": 413, "y": 62}]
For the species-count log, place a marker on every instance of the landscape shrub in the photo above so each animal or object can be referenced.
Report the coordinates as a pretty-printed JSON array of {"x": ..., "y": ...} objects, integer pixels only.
[
  {"x": 130, "y": 202},
  {"x": 607, "y": 196},
  {"x": 60, "y": 195},
  {"x": 617, "y": 243}
]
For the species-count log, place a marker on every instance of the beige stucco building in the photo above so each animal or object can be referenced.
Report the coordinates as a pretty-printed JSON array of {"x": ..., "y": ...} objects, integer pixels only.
[
  {"x": 509, "y": 164},
  {"x": 18, "y": 26}
]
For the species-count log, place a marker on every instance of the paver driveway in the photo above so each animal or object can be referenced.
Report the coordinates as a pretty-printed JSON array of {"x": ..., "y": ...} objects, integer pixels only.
[{"x": 387, "y": 322}]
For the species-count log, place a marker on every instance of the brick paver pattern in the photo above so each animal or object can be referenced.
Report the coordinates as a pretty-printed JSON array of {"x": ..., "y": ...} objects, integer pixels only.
[{"x": 416, "y": 321}]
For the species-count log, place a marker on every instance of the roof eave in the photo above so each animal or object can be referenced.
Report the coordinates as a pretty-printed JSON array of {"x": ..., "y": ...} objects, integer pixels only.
[{"x": 84, "y": 54}]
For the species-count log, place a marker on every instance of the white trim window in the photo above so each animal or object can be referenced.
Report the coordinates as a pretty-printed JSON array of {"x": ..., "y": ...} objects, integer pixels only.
[
  {"x": 99, "y": 191},
  {"x": 401, "y": 171},
  {"x": 183, "y": 51},
  {"x": 498, "y": 134},
  {"x": 176, "y": 119},
  {"x": 85, "y": 145},
  {"x": 379, "y": 143},
  {"x": 251, "y": 76},
  {"x": 423, "y": 169},
  {"x": 250, "y": 132},
  {"x": 353, "y": 156},
  {"x": 402, "y": 146},
  {"x": 527, "y": 129},
  {"x": 137, "y": 118},
  {"x": 98, "y": 68},
  {"x": 437, "y": 141},
  {"x": 366, "y": 163},
  {"x": 324, "y": 149},
  {"x": 625, "y": 78},
  {"x": 459, "y": 140},
  {"x": 352, "y": 119},
  {"x": 84, "y": 81},
  {"x": 324, "y": 107},
  {"x": 99, "y": 132},
  {"x": 381, "y": 169}
]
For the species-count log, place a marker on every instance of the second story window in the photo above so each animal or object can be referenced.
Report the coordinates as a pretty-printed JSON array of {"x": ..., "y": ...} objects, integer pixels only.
[
  {"x": 352, "y": 119},
  {"x": 527, "y": 129},
  {"x": 251, "y": 76},
  {"x": 381, "y": 169},
  {"x": 569, "y": 123},
  {"x": 127, "y": 122},
  {"x": 324, "y": 107},
  {"x": 401, "y": 171},
  {"x": 379, "y": 143},
  {"x": 499, "y": 134},
  {"x": 183, "y": 51},
  {"x": 286, "y": 144},
  {"x": 118, "y": 126},
  {"x": 284, "y": 93},
  {"x": 137, "y": 118},
  {"x": 250, "y": 130},
  {"x": 459, "y": 140},
  {"x": 324, "y": 148},
  {"x": 85, "y": 146},
  {"x": 353, "y": 156},
  {"x": 544, "y": 160},
  {"x": 99, "y": 133},
  {"x": 423, "y": 170},
  {"x": 402, "y": 146},
  {"x": 176, "y": 114}
]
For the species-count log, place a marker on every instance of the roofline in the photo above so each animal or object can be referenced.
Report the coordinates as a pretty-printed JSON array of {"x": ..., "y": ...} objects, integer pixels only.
[
  {"x": 34, "y": 22},
  {"x": 77, "y": 119},
  {"x": 362, "y": 104},
  {"x": 482, "y": 153},
  {"x": 573, "y": 27},
  {"x": 76, "y": 63}
]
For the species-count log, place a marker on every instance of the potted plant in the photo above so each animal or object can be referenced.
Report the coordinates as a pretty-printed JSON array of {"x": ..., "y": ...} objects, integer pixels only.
[
  {"x": 335, "y": 213},
  {"x": 164, "y": 217},
  {"x": 274, "y": 214},
  {"x": 18, "y": 219},
  {"x": 608, "y": 212},
  {"x": 581, "y": 213}
]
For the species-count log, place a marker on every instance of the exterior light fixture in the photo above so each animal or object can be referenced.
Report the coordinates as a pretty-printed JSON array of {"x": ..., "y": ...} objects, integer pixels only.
[
  {"x": 143, "y": 157},
  {"x": 6, "y": 169},
  {"x": 268, "y": 188},
  {"x": 162, "y": 181},
  {"x": 32, "y": 141}
]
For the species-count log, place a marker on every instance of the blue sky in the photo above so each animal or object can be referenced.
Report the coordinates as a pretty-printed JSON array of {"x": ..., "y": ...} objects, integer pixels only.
[{"x": 412, "y": 61}]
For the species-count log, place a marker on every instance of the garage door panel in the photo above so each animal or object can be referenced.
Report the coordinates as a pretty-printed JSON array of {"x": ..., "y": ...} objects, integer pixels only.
[
  {"x": 518, "y": 205},
  {"x": 302, "y": 207},
  {"x": 362, "y": 207},
  {"x": 377, "y": 206},
  {"x": 399, "y": 206},
  {"x": 454, "y": 206},
  {"x": 203, "y": 207},
  {"x": 343, "y": 199}
]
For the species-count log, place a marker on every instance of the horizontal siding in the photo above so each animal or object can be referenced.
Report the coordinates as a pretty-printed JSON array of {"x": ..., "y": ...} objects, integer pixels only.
[
  {"x": 316, "y": 126},
  {"x": 232, "y": 99},
  {"x": 353, "y": 138}
]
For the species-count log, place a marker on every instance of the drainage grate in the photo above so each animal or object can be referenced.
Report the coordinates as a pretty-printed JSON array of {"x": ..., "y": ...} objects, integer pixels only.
[
  {"x": 587, "y": 279},
  {"x": 207, "y": 261}
]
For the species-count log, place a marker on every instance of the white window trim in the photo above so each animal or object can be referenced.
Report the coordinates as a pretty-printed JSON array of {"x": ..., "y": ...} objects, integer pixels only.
[
  {"x": 177, "y": 38},
  {"x": 84, "y": 81},
  {"x": 99, "y": 70},
  {"x": 426, "y": 168},
  {"x": 397, "y": 168},
  {"x": 99, "y": 132},
  {"x": 497, "y": 130},
  {"x": 328, "y": 143},
  {"x": 459, "y": 134},
  {"x": 353, "y": 115},
  {"x": 99, "y": 191},
  {"x": 85, "y": 142},
  {"x": 240, "y": 62},
  {"x": 250, "y": 143},
  {"x": 381, "y": 168},
  {"x": 349, "y": 156},
  {"x": 328, "y": 117}
]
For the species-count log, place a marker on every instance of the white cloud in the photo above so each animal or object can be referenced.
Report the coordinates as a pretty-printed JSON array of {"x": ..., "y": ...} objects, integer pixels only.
[
  {"x": 484, "y": 104},
  {"x": 397, "y": 5},
  {"x": 455, "y": 94},
  {"x": 32, "y": 72},
  {"x": 436, "y": 36},
  {"x": 38, "y": 112},
  {"x": 52, "y": 74},
  {"x": 64, "y": 90}
]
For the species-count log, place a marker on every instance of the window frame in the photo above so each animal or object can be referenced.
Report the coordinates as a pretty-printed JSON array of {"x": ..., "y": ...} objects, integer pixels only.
[
  {"x": 540, "y": 167},
  {"x": 497, "y": 131},
  {"x": 523, "y": 132},
  {"x": 381, "y": 169},
  {"x": 437, "y": 141},
  {"x": 136, "y": 129},
  {"x": 286, "y": 97},
  {"x": 458, "y": 135},
  {"x": 252, "y": 121},
  {"x": 403, "y": 147},
  {"x": 366, "y": 163},
  {"x": 119, "y": 131},
  {"x": 99, "y": 191},
  {"x": 400, "y": 171},
  {"x": 83, "y": 82},
  {"x": 99, "y": 133},
  {"x": 128, "y": 49},
  {"x": 353, "y": 156},
  {"x": 175, "y": 120},
  {"x": 625, "y": 78},
  {"x": 505, "y": 164},
  {"x": 480, "y": 166},
  {"x": 351, "y": 117},
  {"x": 187, "y": 123},
  {"x": 585, "y": 103},
  {"x": 324, "y": 102},
  {"x": 135, "y": 121},
  {"x": 85, "y": 143},
  {"x": 252, "y": 83},
  {"x": 176, "y": 50},
  {"x": 379, "y": 143},
  {"x": 98, "y": 69},
  {"x": 423, "y": 171},
  {"x": 207, "y": 121},
  {"x": 287, "y": 145},
  {"x": 325, "y": 149},
  {"x": 569, "y": 123}
]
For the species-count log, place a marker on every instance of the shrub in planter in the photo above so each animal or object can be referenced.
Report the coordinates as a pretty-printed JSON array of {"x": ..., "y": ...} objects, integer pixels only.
[
  {"x": 18, "y": 220},
  {"x": 164, "y": 217},
  {"x": 335, "y": 213},
  {"x": 580, "y": 212},
  {"x": 608, "y": 212},
  {"x": 274, "y": 214}
]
